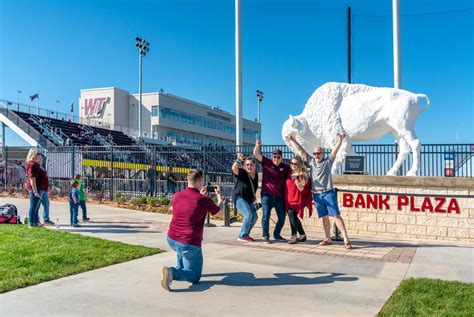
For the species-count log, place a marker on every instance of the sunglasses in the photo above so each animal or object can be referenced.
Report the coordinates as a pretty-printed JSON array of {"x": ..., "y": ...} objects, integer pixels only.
[
  {"x": 293, "y": 163},
  {"x": 249, "y": 165},
  {"x": 317, "y": 153},
  {"x": 276, "y": 157}
]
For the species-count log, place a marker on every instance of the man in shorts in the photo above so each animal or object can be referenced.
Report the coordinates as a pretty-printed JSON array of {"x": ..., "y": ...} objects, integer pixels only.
[{"x": 325, "y": 195}]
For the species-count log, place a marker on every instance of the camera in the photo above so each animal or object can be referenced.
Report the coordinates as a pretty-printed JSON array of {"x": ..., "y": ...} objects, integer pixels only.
[
  {"x": 211, "y": 188},
  {"x": 257, "y": 206}
]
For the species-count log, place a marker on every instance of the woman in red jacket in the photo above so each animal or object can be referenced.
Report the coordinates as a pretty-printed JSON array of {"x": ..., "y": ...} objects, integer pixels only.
[{"x": 298, "y": 196}]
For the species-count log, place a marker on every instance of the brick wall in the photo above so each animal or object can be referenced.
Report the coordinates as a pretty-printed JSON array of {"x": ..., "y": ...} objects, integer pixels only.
[{"x": 405, "y": 223}]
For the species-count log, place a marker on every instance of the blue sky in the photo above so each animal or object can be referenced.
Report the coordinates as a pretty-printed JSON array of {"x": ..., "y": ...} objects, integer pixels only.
[{"x": 289, "y": 49}]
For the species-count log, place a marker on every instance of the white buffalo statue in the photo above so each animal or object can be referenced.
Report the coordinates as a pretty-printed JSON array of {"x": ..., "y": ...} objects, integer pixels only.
[{"x": 364, "y": 113}]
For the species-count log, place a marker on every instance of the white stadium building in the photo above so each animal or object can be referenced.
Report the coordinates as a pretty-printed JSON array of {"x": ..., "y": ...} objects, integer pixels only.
[{"x": 165, "y": 117}]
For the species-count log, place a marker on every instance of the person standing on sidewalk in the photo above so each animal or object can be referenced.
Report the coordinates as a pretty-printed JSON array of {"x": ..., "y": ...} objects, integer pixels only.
[
  {"x": 170, "y": 182},
  {"x": 151, "y": 180},
  {"x": 35, "y": 182},
  {"x": 74, "y": 204},
  {"x": 325, "y": 195},
  {"x": 44, "y": 194},
  {"x": 298, "y": 197},
  {"x": 185, "y": 234},
  {"x": 243, "y": 195},
  {"x": 82, "y": 198},
  {"x": 273, "y": 191}
]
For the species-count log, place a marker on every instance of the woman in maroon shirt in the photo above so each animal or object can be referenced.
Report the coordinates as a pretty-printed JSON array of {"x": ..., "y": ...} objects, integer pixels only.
[
  {"x": 298, "y": 196},
  {"x": 36, "y": 183}
]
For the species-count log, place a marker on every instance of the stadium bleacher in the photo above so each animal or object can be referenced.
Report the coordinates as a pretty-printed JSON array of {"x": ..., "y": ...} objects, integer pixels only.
[
  {"x": 96, "y": 143},
  {"x": 76, "y": 132}
]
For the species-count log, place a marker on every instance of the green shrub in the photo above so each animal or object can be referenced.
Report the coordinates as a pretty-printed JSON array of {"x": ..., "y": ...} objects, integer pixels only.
[
  {"x": 138, "y": 201},
  {"x": 152, "y": 201},
  {"x": 164, "y": 201},
  {"x": 119, "y": 198}
]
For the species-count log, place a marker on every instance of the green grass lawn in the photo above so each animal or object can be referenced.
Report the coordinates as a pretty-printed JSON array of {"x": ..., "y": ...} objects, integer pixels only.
[
  {"x": 30, "y": 256},
  {"x": 430, "y": 297}
]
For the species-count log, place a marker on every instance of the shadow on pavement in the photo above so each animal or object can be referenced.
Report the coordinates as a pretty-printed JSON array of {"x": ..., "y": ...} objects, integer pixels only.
[
  {"x": 111, "y": 229},
  {"x": 364, "y": 244},
  {"x": 280, "y": 279}
]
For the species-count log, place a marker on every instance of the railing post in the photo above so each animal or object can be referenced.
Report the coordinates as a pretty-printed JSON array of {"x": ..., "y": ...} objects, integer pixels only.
[
  {"x": 6, "y": 168},
  {"x": 72, "y": 161},
  {"x": 111, "y": 190},
  {"x": 204, "y": 171},
  {"x": 396, "y": 155},
  {"x": 155, "y": 180},
  {"x": 226, "y": 212},
  {"x": 337, "y": 233}
]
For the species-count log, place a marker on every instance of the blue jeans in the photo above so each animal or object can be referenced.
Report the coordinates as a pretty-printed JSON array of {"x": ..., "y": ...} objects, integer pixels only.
[
  {"x": 269, "y": 202},
  {"x": 73, "y": 210},
  {"x": 170, "y": 187},
  {"x": 189, "y": 266},
  {"x": 250, "y": 216},
  {"x": 45, "y": 202},
  {"x": 151, "y": 188},
  {"x": 82, "y": 203},
  {"x": 35, "y": 203}
]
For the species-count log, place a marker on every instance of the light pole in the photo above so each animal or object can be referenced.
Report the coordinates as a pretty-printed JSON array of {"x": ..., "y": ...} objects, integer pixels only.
[
  {"x": 143, "y": 49},
  {"x": 18, "y": 92},
  {"x": 57, "y": 105},
  {"x": 259, "y": 99},
  {"x": 397, "y": 60},
  {"x": 238, "y": 75}
]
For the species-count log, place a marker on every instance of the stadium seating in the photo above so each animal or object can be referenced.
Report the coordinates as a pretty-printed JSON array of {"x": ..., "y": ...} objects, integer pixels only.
[
  {"x": 212, "y": 158},
  {"x": 73, "y": 131}
]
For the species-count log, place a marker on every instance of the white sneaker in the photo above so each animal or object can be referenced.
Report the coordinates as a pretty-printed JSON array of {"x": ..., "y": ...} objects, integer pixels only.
[{"x": 166, "y": 278}]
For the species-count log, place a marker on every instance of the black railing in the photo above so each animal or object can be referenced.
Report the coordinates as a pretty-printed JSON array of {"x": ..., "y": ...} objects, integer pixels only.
[{"x": 110, "y": 170}]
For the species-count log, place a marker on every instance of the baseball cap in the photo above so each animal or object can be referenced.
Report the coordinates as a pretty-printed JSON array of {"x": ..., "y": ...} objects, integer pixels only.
[{"x": 276, "y": 152}]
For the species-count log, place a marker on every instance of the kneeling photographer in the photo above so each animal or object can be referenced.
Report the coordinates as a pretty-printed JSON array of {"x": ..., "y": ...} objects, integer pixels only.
[
  {"x": 185, "y": 234},
  {"x": 243, "y": 195}
]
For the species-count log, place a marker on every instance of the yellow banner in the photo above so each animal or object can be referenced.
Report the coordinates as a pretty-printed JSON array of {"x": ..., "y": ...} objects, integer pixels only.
[{"x": 131, "y": 166}]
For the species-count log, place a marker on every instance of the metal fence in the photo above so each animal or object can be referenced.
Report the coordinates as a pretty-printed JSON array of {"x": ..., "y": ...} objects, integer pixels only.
[{"x": 113, "y": 170}]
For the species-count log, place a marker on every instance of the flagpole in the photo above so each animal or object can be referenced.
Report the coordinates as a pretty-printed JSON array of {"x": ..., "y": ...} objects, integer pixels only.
[{"x": 38, "y": 104}]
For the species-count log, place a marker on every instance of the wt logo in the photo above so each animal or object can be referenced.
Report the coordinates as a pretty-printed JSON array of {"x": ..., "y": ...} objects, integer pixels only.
[{"x": 94, "y": 106}]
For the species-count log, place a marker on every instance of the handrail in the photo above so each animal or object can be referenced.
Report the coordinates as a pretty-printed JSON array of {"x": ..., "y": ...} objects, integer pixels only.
[
  {"x": 26, "y": 127},
  {"x": 49, "y": 130}
]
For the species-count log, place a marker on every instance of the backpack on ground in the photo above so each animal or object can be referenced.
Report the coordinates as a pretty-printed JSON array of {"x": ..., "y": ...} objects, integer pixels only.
[{"x": 9, "y": 214}]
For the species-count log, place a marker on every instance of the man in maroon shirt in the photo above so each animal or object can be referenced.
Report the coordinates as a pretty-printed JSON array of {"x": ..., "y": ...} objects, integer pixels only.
[
  {"x": 190, "y": 208},
  {"x": 273, "y": 190}
]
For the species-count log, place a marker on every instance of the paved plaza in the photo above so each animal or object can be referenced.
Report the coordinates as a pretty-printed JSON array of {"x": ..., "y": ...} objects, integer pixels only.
[{"x": 252, "y": 279}]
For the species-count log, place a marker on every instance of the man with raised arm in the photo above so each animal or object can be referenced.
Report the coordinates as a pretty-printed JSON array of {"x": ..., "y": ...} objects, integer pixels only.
[
  {"x": 273, "y": 190},
  {"x": 325, "y": 195}
]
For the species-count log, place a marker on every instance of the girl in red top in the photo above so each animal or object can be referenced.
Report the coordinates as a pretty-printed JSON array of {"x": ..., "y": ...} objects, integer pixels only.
[{"x": 298, "y": 196}]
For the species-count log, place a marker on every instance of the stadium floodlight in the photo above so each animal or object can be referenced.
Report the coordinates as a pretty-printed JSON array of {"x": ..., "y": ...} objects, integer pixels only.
[
  {"x": 259, "y": 99},
  {"x": 143, "y": 49}
]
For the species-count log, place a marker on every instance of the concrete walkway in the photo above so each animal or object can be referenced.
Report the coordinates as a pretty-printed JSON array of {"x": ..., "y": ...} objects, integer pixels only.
[{"x": 238, "y": 280}]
